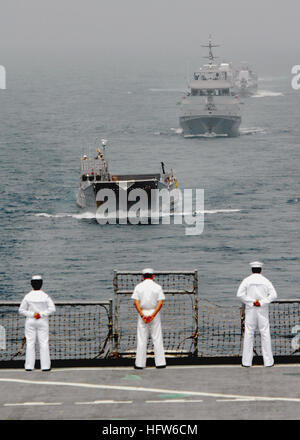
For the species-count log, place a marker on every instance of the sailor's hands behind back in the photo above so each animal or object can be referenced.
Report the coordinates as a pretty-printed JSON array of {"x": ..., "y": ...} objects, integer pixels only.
[
  {"x": 147, "y": 319},
  {"x": 144, "y": 318}
]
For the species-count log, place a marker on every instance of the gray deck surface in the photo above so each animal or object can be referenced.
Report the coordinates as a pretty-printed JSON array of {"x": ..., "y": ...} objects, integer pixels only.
[{"x": 219, "y": 392}]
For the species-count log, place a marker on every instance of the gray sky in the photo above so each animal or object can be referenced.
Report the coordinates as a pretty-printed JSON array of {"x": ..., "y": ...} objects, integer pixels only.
[{"x": 263, "y": 32}]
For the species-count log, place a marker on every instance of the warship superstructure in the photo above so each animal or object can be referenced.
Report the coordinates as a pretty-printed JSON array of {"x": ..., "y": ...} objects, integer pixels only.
[
  {"x": 210, "y": 107},
  {"x": 125, "y": 190},
  {"x": 245, "y": 81}
]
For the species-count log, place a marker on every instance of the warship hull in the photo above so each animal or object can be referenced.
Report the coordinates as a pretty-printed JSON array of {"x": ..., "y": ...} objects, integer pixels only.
[{"x": 210, "y": 126}]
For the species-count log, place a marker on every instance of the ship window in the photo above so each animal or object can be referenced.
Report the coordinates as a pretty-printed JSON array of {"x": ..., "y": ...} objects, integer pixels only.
[
  {"x": 210, "y": 92},
  {"x": 225, "y": 92}
]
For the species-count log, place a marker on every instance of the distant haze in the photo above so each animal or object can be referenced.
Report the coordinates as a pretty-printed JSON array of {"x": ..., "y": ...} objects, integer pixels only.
[{"x": 143, "y": 33}]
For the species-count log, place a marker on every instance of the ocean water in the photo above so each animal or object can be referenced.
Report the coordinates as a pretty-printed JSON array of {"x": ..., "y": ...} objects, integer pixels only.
[{"x": 49, "y": 118}]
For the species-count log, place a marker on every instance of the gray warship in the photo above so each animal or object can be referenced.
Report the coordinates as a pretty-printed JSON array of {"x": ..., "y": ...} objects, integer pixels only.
[
  {"x": 210, "y": 107},
  {"x": 245, "y": 81},
  {"x": 95, "y": 176}
]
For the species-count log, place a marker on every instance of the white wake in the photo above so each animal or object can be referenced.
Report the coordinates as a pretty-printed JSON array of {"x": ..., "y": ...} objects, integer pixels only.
[
  {"x": 266, "y": 94},
  {"x": 87, "y": 215}
]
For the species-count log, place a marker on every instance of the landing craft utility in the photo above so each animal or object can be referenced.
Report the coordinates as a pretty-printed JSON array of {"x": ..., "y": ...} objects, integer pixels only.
[
  {"x": 97, "y": 185},
  {"x": 210, "y": 108}
]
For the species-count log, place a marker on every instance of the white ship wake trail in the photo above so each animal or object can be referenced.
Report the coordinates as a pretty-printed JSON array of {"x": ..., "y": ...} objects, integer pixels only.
[
  {"x": 251, "y": 130},
  {"x": 177, "y": 130},
  {"x": 266, "y": 94},
  {"x": 243, "y": 131},
  {"x": 218, "y": 211},
  {"x": 93, "y": 215},
  {"x": 81, "y": 216}
]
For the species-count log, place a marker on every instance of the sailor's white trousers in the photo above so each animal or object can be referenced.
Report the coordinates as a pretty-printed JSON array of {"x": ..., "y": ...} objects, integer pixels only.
[
  {"x": 143, "y": 330},
  {"x": 257, "y": 317},
  {"x": 37, "y": 328}
]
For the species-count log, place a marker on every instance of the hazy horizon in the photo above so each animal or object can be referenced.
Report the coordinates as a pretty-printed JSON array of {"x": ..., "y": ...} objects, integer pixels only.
[{"x": 137, "y": 34}]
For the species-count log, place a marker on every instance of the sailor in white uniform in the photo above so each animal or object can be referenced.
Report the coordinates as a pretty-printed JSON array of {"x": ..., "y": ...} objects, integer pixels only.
[
  {"x": 148, "y": 300},
  {"x": 257, "y": 292},
  {"x": 37, "y": 306}
]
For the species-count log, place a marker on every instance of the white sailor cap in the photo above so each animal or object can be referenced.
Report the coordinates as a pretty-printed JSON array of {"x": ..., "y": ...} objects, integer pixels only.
[
  {"x": 36, "y": 277},
  {"x": 148, "y": 270},
  {"x": 256, "y": 264}
]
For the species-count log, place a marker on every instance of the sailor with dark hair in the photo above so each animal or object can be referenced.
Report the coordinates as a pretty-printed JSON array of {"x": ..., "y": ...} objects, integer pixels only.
[
  {"x": 148, "y": 300},
  {"x": 36, "y": 307},
  {"x": 257, "y": 292}
]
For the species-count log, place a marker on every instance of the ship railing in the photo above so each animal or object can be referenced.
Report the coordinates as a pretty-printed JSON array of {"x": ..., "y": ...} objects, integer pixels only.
[
  {"x": 194, "y": 328},
  {"x": 78, "y": 330},
  {"x": 179, "y": 314}
]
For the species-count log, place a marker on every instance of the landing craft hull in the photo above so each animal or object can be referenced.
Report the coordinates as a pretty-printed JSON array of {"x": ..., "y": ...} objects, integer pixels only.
[
  {"x": 209, "y": 126},
  {"x": 90, "y": 198}
]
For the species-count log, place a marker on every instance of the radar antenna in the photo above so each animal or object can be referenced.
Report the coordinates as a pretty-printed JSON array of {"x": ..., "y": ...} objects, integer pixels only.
[{"x": 211, "y": 56}]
